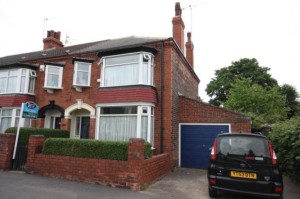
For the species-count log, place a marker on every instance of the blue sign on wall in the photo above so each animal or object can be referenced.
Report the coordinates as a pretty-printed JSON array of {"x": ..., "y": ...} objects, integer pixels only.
[{"x": 30, "y": 110}]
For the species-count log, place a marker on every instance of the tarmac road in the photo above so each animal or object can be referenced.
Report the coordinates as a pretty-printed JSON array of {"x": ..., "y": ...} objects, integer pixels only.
[{"x": 180, "y": 184}]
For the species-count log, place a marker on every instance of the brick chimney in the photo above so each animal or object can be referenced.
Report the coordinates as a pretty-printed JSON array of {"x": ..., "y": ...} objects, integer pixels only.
[
  {"x": 52, "y": 40},
  {"x": 178, "y": 27},
  {"x": 190, "y": 49}
]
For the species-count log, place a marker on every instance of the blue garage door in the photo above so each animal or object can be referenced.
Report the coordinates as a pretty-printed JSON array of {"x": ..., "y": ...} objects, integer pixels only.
[{"x": 196, "y": 142}]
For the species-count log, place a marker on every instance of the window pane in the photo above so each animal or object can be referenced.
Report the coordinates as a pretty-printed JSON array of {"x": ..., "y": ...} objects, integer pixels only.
[
  {"x": 23, "y": 72},
  {"x": 119, "y": 110},
  {"x": 5, "y": 123},
  {"x": 122, "y": 59},
  {"x": 77, "y": 130},
  {"x": 31, "y": 85},
  {"x": 52, "y": 80},
  {"x": 121, "y": 75},
  {"x": 13, "y": 73},
  {"x": 118, "y": 128},
  {"x": 82, "y": 78},
  {"x": 3, "y": 73},
  {"x": 144, "y": 129},
  {"x": 18, "y": 111},
  {"x": 145, "y": 73},
  {"x": 12, "y": 84},
  {"x": 3, "y": 84},
  {"x": 22, "y": 86},
  {"x": 7, "y": 112},
  {"x": 83, "y": 66},
  {"x": 53, "y": 70}
]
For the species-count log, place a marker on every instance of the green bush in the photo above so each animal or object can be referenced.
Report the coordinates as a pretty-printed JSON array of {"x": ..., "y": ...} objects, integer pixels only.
[
  {"x": 90, "y": 148},
  {"x": 285, "y": 137},
  {"x": 47, "y": 133}
]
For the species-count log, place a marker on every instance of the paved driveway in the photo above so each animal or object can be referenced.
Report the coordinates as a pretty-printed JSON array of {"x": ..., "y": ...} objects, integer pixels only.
[{"x": 192, "y": 184}]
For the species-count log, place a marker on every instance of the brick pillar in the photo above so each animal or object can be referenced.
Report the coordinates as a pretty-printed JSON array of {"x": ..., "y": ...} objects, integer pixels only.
[
  {"x": 135, "y": 160},
  {"x": 7, "y": 142},
  {"x": 92, "y": 128},
  {"x": 35, "y": 144},
  {"x": 65, "y": 124}
]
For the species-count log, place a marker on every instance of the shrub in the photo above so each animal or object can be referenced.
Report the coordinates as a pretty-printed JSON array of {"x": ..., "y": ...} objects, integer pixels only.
[
  {"x": 285, "y": 137},
  {"x": 26, "y": 132},
  {"x": 90, "y": 148}
]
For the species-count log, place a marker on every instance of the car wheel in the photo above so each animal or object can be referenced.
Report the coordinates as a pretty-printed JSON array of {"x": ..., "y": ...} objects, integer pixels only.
[{"x": 212, "y": 193}]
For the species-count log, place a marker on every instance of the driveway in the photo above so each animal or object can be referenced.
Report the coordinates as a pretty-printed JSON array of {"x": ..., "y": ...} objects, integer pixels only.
[{"x": 192, "y": 184}]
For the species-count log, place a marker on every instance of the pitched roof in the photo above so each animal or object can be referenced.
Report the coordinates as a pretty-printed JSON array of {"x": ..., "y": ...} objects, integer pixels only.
[{"x": 79, "y": 49}]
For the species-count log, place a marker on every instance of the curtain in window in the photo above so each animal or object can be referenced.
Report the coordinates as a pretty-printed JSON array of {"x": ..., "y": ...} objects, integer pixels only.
[
  {"x": 53, "y": 77},
  {"x": 121, "y": 75},
  {"x": 144, "y": 128},
  {"x": 2, "y": 84},
  {"x": 5, "y": 120},
  {"x": 117, "y": 128},
  {"x": 82, "y": 78}
]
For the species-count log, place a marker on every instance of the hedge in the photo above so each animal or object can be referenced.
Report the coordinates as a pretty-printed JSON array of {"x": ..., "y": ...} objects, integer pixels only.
[
  {"x": 90, "y": 149},
  {"x": 47, "y": 133},
  {"x": 285, "y": 137}
]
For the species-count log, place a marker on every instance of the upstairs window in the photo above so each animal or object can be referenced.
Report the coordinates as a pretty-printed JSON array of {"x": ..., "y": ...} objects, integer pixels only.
[
  {"x": 17, "y": 81},
  {"x": 128, "y": 69},
  {"x": 53, "y": 77},
  {"x": 82, "y": 74}
]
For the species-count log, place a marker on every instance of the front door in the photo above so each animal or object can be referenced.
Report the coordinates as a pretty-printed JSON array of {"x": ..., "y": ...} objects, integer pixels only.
[
  {"x": 85, "y": 127},
  {"x": 82, "y": 129}
]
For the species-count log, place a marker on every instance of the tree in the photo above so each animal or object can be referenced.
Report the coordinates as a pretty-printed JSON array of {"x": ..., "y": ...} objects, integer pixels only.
[
  {"x": 290, "y": 94},
  {"x": 264, "y": 106},
  {"x": 219, "y": 87}
]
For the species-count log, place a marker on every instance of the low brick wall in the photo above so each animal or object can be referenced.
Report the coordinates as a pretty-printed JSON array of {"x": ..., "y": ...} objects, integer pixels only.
[
  {"x": 7, "y": 142},
  {"x": 131, "y": 174}
]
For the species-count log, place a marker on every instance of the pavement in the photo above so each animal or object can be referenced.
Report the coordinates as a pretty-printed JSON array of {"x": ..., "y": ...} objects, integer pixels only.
[{"x": 180, "y": 184}]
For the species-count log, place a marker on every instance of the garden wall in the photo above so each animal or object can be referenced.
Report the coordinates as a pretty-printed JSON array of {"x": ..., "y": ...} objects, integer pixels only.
[{"x": 132, "y": 174}]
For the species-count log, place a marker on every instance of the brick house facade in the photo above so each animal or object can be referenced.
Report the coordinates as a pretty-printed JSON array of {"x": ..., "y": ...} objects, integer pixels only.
[{"x": 110, "y": 89}]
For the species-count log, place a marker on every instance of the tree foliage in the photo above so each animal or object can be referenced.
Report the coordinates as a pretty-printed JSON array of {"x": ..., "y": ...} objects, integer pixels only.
[
  {"x": 290, "y": 94},
  {"x": 219, "y": 87},
  {"x": 265, "y": 106},
  {"x": 285, "y": 138}
]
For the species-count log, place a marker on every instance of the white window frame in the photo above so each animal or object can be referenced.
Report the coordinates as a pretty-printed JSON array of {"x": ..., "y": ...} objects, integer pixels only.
[
  {"x": 13, "y": 116},
  {"x": 142, "y": 56},
  {"x": 29, "y": 74},
  {"x": 60, "y": 76},
  {"x": 149, "y": 114},
  {"x": 76, "y": 73}
]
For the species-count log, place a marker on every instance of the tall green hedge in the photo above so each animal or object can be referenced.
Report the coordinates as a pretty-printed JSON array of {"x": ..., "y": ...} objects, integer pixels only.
[
  {"x": 285, "y": 137},
  {"x": 26, "y": 132},
  {"x": 90, "y": 148}
]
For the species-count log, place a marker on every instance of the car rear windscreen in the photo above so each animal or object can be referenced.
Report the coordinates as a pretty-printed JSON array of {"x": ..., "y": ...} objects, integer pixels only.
[{"x": 247, "y": 146}]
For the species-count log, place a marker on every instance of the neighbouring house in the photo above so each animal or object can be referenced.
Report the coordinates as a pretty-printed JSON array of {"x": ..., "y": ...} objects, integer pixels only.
[{"x": 131, "y": 87}]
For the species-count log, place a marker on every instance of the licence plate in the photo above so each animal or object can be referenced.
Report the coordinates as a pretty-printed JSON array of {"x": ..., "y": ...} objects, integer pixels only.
[{"x": 238, "y": 174}]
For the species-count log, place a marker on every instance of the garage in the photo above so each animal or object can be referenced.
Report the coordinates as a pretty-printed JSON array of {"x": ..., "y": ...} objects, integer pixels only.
[{"x": 196, "y": 141}]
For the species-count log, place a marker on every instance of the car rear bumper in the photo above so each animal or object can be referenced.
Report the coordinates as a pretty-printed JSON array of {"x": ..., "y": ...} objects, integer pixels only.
[{"x": 257, "y": 194}]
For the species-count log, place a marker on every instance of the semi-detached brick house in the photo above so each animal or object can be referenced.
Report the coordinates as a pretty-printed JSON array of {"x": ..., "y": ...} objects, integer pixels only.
[{"x": 117, "y": 89}]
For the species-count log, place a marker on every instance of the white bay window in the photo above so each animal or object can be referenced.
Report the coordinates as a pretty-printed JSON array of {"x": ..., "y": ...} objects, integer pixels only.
[
  {"x": 120, "y": 123},
  {"x": 127, "y": 69},
  {"x": 20, "y": 80},
  {"x": 9, "y": 117}
]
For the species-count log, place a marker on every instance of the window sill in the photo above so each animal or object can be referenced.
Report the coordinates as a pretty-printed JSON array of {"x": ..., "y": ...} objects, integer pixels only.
[
  {"x": 78, "y": 88},
  {"x": 51, "y": 90}
]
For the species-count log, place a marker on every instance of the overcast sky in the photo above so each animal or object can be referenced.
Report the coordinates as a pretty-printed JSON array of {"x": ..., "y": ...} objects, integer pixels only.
[{"x": 222, "y": 30}]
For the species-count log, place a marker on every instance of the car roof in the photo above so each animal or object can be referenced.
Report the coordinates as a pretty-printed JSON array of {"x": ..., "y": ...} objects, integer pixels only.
[{"x": 242, "y": 134}]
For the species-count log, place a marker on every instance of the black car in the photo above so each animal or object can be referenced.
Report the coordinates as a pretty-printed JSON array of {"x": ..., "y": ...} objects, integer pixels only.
[{"x": 244, "y": 164}]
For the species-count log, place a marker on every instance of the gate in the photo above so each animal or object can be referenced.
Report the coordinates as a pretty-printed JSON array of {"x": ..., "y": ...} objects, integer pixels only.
[{"x": 19, "y": 163}]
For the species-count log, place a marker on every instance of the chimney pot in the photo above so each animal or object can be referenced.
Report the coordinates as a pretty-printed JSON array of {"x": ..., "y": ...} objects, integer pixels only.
[
  {"x": 52, "y": 40},
  {"x": 178, "y": 10}
]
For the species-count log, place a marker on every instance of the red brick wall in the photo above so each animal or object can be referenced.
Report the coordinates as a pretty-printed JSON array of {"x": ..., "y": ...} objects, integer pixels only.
[
  {"x": 193, "y": 111},
  {"x": 126, "y": 174},
  {"x": 7, "y": 142},
  {"x": 14, "y": 100}
]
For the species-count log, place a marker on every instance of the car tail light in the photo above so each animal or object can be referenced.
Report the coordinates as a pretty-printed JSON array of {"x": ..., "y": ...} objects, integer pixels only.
[
  {"x": 213, "y": 181},
  {"x": 213, "y": 153},
  {"x": 272, "y": 154},
  {"x": 278, "y": 189}
]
